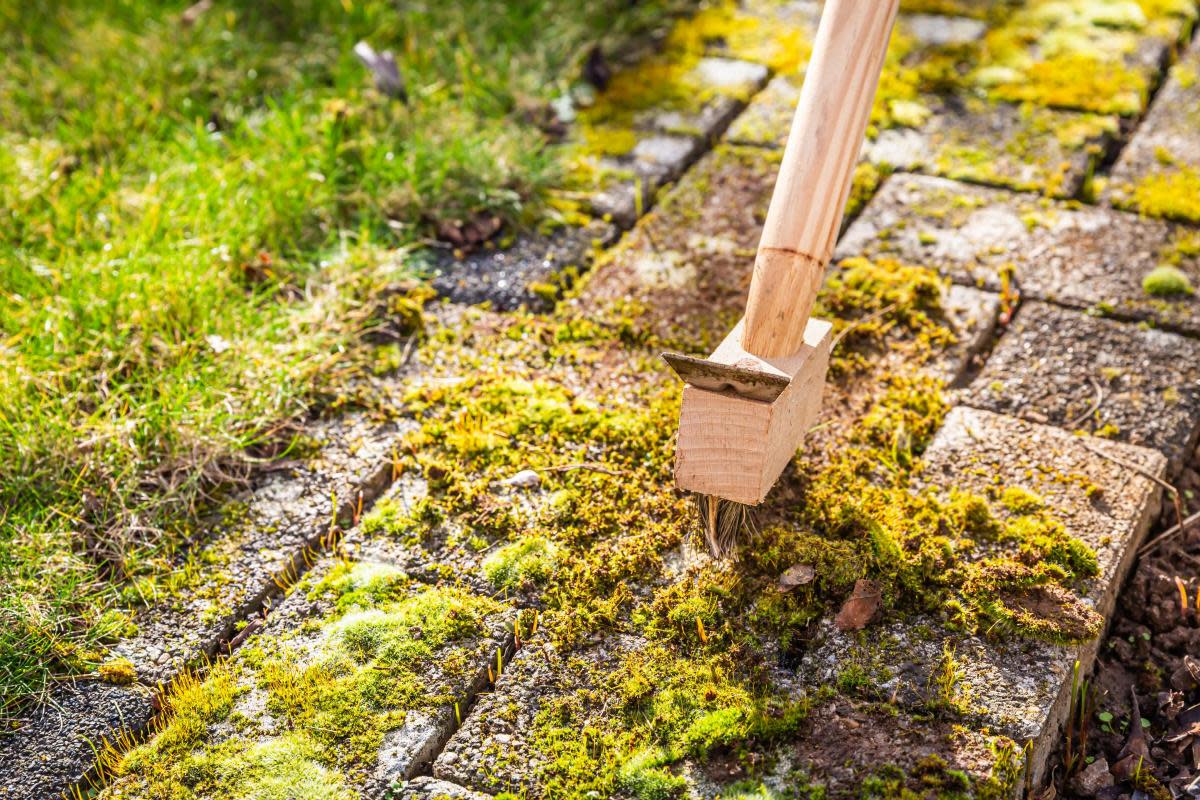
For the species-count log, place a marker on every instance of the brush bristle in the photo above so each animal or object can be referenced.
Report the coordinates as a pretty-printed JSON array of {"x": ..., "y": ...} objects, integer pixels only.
[{"x": 722, "y": 523}]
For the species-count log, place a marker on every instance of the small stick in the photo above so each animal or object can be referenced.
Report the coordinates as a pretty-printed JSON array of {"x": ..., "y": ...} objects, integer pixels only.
[
  {"x": 1175, "y": 497},
  {"x": 582, "y": 465},
  {"x": 1095, "y": 405},
  {"x": 1169, "y": 533}
]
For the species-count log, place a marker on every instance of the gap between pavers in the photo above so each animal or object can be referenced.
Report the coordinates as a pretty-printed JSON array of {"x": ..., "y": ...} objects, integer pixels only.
[
  {"x": 1085, "y": 257},
  {"x": 1158, "y": 172}
]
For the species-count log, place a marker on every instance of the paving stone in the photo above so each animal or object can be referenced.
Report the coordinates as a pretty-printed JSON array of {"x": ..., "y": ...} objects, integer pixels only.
[
  {"x": 495, "y": 749},
  {"x": 1018, "y": 147},
  {"x": 1024, "y": 148},
  {"x": 978, "y": 9},
  {"x": 1081, "y": 372},
  {"x": 1018, "y": 688},
  {"x": 1080, "y": 54},
  {"x": 56, "y": 746},
  {"x": 938, "y": 30},
  {"x": 335, "y": 625},
  {"x": 1107, "y": 505},
  {"x": 1158, "y": 173},
  {"x": 529, "y": 273},
  {"x": 427, "y": 788},
  {"x": 1085, "y": 257},
  {"x": 730, "y": 75}
]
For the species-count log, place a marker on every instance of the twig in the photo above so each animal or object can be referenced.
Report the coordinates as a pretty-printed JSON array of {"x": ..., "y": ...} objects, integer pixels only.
[
  {"x": 582, "y": 465},
  {"x": 1169, "y": 533},
  {"x": 874, "y": 315},
  {"x": 1095, "y": 405},
  {"x": 1175, "y": 496}
]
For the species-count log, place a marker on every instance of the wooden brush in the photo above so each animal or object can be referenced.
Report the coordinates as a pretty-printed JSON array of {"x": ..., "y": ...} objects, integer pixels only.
[{"x": 747, "y": 406}]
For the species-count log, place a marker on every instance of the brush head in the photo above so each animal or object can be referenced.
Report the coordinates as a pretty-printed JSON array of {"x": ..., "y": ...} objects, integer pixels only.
[
  {"x": 743, "y": 417},
  {"x": 722, "y": 524}
]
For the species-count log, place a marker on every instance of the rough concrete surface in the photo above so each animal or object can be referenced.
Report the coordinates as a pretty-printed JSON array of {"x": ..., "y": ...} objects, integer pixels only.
[
  {"x": 1158, "y": 173},
  {"x": 1081, "y": 372},
  {"x": 1087, "y": 257}
]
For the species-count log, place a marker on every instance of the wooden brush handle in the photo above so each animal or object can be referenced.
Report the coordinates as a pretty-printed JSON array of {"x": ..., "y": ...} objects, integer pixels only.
[{"x": 816, "y": 173}]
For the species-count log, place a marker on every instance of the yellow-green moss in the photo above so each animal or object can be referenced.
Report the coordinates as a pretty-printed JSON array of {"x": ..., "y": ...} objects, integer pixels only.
[
  {"x": 1174, "y": 194},
  {"x": 530, "y": 560},
  {"x": 119, "y": 671},
  {"x": 1167, "y": 281}
]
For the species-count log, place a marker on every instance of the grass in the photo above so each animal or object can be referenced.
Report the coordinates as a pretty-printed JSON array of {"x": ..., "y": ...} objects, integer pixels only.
[{"x": 195, "y": 221}]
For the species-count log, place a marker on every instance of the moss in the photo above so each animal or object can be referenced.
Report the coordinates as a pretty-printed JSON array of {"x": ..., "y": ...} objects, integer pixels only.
[
  {"x": 1019, "y": 500},
  {"x": 119, "y": 671},
  {"x": 1174, "y": 194},
  {"x": 1167, "y": 281},
  {"x": 644, "y": 777},
  {"x": 530, "y": 560}
]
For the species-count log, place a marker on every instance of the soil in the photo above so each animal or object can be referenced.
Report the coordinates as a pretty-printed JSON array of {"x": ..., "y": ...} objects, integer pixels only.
[{"x": 1152, "y": 650}]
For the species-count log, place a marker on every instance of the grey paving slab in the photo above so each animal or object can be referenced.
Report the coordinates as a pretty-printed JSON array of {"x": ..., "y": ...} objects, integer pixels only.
[
  {"x": 56, "y": 747},
  {"x": 1085, "y": 373},
  {"x": 1101, "y": 57},
  {"x": 1019, "y": 147},
  {"x": 1107, "y": 505},
  {"x": 427, "y": 788},
  {"x": 1085, "y": 257},
  {"x": 496, "y": 749},
  {"x": 1158, "y": 172}
]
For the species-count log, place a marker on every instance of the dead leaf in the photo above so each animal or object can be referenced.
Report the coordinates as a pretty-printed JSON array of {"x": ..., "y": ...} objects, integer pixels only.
[
  {"x": 1135, "y": 755},
  {"x": 796, "y": 575},
  {"x": 862, "y": 608}
]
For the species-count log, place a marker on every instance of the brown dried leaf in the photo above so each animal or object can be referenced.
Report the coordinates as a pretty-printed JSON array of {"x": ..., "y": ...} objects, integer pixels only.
[
  {"x": 862, "y": 608},
  {"x": 796, "y": 575}
]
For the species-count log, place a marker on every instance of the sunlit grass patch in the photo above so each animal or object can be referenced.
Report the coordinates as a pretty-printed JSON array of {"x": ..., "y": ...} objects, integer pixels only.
[{"x": 196, "y": 224}]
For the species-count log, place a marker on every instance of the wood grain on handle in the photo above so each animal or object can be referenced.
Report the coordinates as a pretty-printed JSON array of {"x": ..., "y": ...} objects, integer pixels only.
[{"x": 815, "y": 175}]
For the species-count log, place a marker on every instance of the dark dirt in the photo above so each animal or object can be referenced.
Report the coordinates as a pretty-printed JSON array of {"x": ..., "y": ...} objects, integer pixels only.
[{"x": 1152, "y": 648}]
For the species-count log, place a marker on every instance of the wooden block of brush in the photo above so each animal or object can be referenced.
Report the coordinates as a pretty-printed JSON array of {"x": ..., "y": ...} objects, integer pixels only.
[{"x": 736, "y": 447}]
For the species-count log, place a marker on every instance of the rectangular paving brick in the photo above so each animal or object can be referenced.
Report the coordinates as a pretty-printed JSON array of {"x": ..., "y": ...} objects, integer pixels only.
[
  {"x": 1018, "y": 147},
  {"x": 1084, "y": 373},
  {"x": 1026, "y": 148},
  {"x": 1158, "y": 173},
  {"x": 1086, "y": 257}
]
